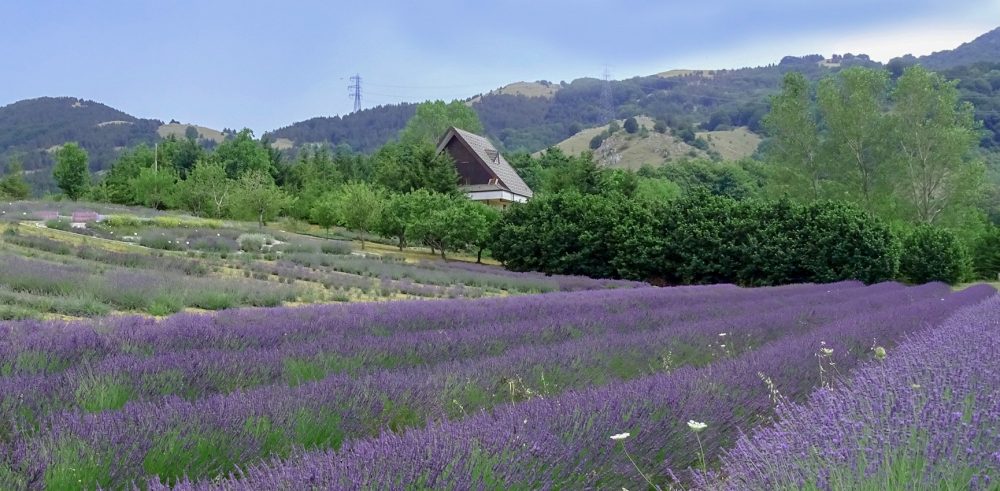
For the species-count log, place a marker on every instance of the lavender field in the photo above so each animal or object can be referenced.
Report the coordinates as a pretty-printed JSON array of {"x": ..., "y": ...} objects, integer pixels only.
[{"x": 518, "y": 392}]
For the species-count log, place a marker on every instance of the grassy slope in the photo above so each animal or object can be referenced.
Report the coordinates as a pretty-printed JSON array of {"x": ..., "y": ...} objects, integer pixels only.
[
  {"x": 178, "y": 129},
  {"x": 632, "y": 151}
]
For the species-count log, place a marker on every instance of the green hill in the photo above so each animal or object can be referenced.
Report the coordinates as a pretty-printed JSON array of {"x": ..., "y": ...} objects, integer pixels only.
[{"x": 32, "y": 129}]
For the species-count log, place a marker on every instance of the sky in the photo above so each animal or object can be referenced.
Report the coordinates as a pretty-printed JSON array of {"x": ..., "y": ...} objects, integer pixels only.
[{"x": 264, "y": 65}]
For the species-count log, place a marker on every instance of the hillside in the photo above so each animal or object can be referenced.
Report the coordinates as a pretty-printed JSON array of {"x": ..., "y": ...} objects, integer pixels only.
[
  {"x": 985, "y": 48},
  {"x": 179, "y": 130},
  {"x": 31, "y": 129},
  {"x": 632, "y": 151}
]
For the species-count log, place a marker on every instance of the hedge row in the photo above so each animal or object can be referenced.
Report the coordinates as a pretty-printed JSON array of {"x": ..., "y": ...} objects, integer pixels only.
[{"x": 713, "y": 239}]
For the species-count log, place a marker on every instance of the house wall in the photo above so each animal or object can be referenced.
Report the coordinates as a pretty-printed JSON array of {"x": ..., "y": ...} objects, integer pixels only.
[{"x": 470, "y": 171}]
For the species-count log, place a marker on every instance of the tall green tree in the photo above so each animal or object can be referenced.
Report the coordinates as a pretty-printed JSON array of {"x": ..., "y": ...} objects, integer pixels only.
[
  {"x": 936, "y": 137},
  {"x": 71, "y": 172},
  {"x": 432, "y": 120},
  {"x": 12, "y": 184},
  {"x": 359, "y": 206},
  {"x": 453, "y": 224},
  {"x": 405, "y": 167},
  {"x": 155, "y": 188},
  {"x": 242, "y": 154},
  {"x": 853, "y": 108},
  {"x": 207, "y": 190},
  {"x": 117, "y": 182},
  {"x": 402, "y": 210},
  {"x": 325, "y": 211},
  {"x": 486, "y": 220},
  {"x": 796, "y": 157},
  {"x": 256, "y": 197}
]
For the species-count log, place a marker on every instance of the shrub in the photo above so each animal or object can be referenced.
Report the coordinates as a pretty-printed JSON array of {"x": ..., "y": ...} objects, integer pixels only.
[
  {"x": 167, "y": 222},
  {"x": 163, "y": 242},
  {"x": 631, "y": 125},
  {"x": 215, "y": 244},
  {"x": 933, "y": 254},
  {"x": 252, "y": 242},
  {"x": 118, "y": 221},
  {"x": 699, "y": 239},
  {"x": 60, "y": 224},
  {"x": 336, "y": 247},
  {"x": 986, "y": 254},
  {"x": 300, "y": 247}
]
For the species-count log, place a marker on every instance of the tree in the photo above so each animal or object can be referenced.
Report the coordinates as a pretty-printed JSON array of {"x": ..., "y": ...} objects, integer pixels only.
[
  {"x": 191, "y": 133},
  {"x": 934, "y": 254},
  {"x": 452, "y": 224},
  {"x": 631, "y": 125},
  {"x": 243, "y": 154},
  {"x": 325, "y": 211},
  {"x": 852, "y": 106},
  {"x": 117, "y": 182},
  {"x": 71, "y": 172},
  {"x": 432, "y": 120},
  {"x": 400, "y": 212},
  {"x": 660, "y": 126},
  {"x": 937, "y": 138},
  {"x": 359, "y": 206},
  {"x": 798, "y": 164},
  {"x": 12, "y": 185},
  {"x": 258, "y": 198},
  {"x": 406, "y": 167},
  {"x": 154, "y": 188},
  {"x": 206, "y": 190},
  {"x": 485, "y": 222}
]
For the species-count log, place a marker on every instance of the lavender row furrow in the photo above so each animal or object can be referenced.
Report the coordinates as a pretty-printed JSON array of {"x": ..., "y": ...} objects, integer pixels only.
[
  {"x": 934, "y": 399},
  {"x": 265, "y": 421},
  {"x": 55, "y": 346},
  {"x": 562, "y": 442},
  {"x": 669, "y": 342}
]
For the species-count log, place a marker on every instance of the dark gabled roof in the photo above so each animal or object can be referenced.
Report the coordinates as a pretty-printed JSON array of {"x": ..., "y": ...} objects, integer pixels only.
[{"x": 489, "y": 156}]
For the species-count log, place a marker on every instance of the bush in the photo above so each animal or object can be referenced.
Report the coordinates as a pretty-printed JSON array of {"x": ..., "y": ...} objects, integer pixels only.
[
  {"x": 253, "y": 242},
  {"x": 215, "y": 244},
  {"x": 60, "y": 224},
  {"x": 167, "y": 222},
  {"x": 162, "y": 242},
  {"x": 986, "y": 254},
  {"x": 336, "y": 247},
  {"x": 118, "y": 221},
  {"x": 631, "y": 125},
  {"x": 933, "y": 254},
  {"x": 562, "y": 233},
  {"x": 700, "y": 239}
]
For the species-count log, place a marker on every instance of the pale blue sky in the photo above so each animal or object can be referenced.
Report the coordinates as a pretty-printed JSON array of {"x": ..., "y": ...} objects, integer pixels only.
[{"x": 269, "y": 64}]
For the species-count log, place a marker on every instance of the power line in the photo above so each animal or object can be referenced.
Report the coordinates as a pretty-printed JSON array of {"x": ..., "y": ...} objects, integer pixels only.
[
  {"x": 355, "y": 91},
  {"x": 419, "y": 87}
]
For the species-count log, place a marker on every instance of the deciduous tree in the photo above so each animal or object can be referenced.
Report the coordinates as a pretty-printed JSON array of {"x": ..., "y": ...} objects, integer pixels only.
[
  {"x": 71, "y": 172},
  {"x": 257, "y": 197}
]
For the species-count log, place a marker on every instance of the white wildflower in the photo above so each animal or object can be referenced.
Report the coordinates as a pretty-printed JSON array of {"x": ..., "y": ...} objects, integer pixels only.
[
  {"x": 620, "y": 436},
  {"x": 696, "y": 426}
]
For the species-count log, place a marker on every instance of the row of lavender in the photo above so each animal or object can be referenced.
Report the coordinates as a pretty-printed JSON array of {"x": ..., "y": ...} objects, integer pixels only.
[
  {"x": 337, "y": 377},
  {"x": 927, "y": 416},
  {"x": 562, "y": 441},
  {"x": 464, "y": 363}
]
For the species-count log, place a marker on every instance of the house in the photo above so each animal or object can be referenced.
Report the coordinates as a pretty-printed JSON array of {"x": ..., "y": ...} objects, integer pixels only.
[{"x": 484, "y": 175}]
